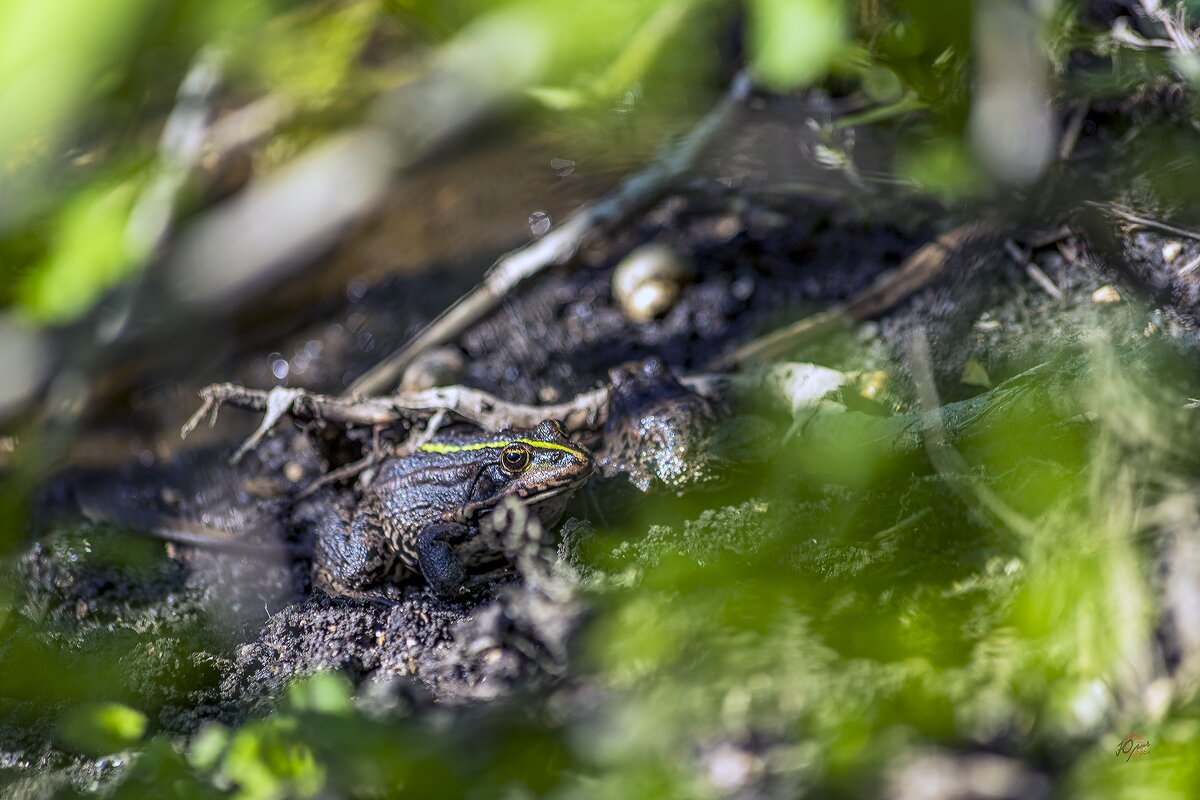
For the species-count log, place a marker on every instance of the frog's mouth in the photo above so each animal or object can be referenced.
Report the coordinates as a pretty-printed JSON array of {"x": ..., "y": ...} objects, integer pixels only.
[
  {"x": 531, "y": 500},
  {"x": 551, "y": 492}
]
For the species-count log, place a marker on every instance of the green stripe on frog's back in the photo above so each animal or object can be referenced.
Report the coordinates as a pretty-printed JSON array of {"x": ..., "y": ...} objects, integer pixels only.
[{"x": 443, "y": 447}]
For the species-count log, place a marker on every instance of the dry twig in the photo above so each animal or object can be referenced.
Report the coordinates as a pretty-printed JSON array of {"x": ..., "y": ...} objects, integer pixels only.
[{"x": 582, "y": 412}]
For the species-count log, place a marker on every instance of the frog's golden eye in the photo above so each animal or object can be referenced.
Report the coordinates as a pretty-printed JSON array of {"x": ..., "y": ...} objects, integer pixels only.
[{"x": 515, "y": 458}]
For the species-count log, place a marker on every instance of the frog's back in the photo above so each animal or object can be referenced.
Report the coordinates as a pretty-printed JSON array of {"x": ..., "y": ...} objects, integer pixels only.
[{"x": 417, "y": 489}]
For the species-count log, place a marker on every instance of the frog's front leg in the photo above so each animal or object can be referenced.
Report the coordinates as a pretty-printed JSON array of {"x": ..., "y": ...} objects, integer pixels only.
[{"x": 435, "y": 557}]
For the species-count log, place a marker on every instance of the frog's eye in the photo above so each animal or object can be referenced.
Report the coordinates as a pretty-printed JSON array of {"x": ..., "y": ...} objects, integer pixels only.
[{"x": 514, "y": 458}]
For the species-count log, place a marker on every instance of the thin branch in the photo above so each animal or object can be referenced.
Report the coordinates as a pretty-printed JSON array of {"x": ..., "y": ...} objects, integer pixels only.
[
  {"x": 190, "y": 533},
  {"x": 344, "y": 472},
  {"x": 486, "y": 410},
  {"x": 1070, "y": 137},
  {"x": 1021, "y": 259}
]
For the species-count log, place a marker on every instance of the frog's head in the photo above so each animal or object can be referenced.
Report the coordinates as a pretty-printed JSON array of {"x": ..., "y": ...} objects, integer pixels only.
[{"x": 541, "y": 466}]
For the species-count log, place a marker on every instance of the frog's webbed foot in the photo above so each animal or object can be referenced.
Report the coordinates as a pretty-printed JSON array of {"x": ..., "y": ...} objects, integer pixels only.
[
  {"x": 485, "y": 582},
  {"x": 435, "y": 556},
  {"x": 387, "y": 596}
]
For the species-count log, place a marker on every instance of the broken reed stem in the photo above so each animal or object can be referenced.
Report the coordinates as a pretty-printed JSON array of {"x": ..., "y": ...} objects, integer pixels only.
[{"x": 920, "y": 269}]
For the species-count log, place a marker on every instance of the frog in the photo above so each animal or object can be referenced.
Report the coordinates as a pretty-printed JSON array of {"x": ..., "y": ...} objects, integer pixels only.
[{"x": 428, "y": 513}]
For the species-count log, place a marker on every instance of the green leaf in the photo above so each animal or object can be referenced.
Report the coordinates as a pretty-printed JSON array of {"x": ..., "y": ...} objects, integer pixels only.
[
  {"x": 323, "y": 693},
  {"x": 52, "y": 56},
  {"x": 793, "y": 42},
  {"x": 90, "y": 254},
  {"x": 558, "y": 98},
  {"x": 99, "y": 728},
  {"x": 974, "y": 374},
  {"x": 943, "y": 167},
  {"x": 268, "y": 759},
  {"x": 208, "y": 746},
  {"x": 311, "y": 54},
  {"x": 633, "y": 61},
  {"x": 882, "y": 85}
]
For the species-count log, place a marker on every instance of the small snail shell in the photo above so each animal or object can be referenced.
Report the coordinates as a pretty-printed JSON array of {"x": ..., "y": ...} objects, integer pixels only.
[{"x": 647, "y": 281}]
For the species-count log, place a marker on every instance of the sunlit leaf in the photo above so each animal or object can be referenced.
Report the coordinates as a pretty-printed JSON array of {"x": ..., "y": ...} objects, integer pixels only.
[
  {"x": 309, "y": 55},
  {"x": 324, "y": 693},
  {"x": 100, "y": 728},
  {"x": 90, "y": 253},
  {"x": 52, "y": 53},
  {"x": 269, "y": 759},
  {"x": 793, "y": 42},
  {"x": 208, "y": 746},
  {"x": 974, "y": 374}
]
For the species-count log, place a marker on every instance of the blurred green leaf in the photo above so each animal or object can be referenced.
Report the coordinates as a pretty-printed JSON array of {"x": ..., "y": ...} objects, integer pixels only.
[
  {"x": 943, "y": 167},
  {"x": 310, "y": 54},
  {"x": 89, "y": 254},
  {"x": 54, "y": 56},
  {"x": 793, "y": 42},
  {"x": 323, "y": 693},
  {"x": 882, "y": 85},
  {"x": 975, "y": 374},
  {"x": 162, "y": 773},
  {"x": 208, "y": 746},
  {"x": 634, "y": 59},
  {"x": 269, "y": 759},
  {"x": 606, "y": 50},
  {"x": 100, "y": 728},
  {"x": 559, "y": 98}
]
